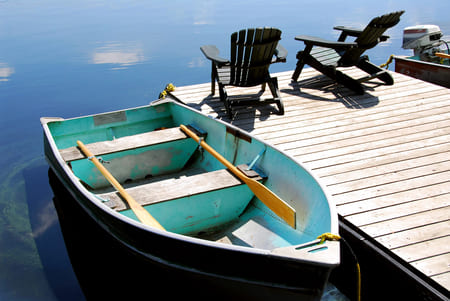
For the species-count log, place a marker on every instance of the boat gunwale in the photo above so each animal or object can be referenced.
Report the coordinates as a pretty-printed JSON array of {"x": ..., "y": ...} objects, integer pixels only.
[{"x": 410, "y": 59}]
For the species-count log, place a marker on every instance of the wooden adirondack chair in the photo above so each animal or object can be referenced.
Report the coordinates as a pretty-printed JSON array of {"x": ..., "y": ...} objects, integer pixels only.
[
  {"x": 252, "y": 52},
  {"x": 325, "y": 56}
]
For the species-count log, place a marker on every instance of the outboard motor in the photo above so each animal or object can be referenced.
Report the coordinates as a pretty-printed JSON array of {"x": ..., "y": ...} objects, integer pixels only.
[{"x": 424, "y": 39}]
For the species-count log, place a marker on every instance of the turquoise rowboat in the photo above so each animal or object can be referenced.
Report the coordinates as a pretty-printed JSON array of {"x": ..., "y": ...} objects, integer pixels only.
[{"x": 250, "y": 227}]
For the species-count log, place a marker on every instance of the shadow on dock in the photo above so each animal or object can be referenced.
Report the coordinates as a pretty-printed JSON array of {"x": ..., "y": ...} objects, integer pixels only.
[{"x": 340, "y": 94}]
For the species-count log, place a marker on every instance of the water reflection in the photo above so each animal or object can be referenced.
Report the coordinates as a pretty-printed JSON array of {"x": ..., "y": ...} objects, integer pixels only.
[
  {"x": 204, "y": 12},
  {"x": 46, "y": 218},
  {"x": 121, "y": 56},
  {"x": 51, "y": 276},
  {"x": 5, "y": 72}
]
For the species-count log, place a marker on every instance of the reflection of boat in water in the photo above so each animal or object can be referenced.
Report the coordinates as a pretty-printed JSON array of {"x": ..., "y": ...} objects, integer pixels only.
[
  {"x": 431, "y": 58},
  {"x": 58, "y": 281},
  {"x": 221, "y": 235}
]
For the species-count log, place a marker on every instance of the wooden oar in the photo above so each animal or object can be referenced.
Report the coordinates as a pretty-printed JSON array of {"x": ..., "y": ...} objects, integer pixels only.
[
  {"x": 442, "y": 55},
  {"x": 143, "y": 215},
  {"x": 277, "y": 205}
]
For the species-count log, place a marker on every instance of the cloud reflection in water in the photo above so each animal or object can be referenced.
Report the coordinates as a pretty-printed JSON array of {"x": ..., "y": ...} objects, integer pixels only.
[
  {"x": 5, "y": 72},
  {"x": 119, "y": 55}
]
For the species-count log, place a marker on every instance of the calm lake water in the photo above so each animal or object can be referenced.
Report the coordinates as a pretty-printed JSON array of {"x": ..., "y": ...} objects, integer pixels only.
[{"x": 72, "y": 58}]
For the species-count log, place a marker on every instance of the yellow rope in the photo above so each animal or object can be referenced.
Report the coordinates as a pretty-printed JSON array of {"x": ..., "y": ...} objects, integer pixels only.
[
  {"x": 169, "y": 88},
  {"x": 358, "y": 273},
  {"x": 334, "y": 237},
  {"x": 391, "y": 57},
  {"x": 328, "y": 236}
]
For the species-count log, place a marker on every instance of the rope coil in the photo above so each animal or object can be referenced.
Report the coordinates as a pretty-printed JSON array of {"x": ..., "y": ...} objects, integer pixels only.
[
  {"x": 328, "y": 236},
  {"x": 169, "y": 88}
]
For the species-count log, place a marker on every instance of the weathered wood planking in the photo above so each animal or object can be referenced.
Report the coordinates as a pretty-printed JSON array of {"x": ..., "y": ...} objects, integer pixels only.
[
  {"x": 384, "y": 155},
  {"x": 185, "y": 183},
  {"x": 174, "y": 188},
  {"x": 125, "y": 143}
]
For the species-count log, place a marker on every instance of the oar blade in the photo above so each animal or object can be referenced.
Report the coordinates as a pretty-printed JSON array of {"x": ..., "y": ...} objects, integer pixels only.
[
  {"x": 273, "y": 202},
  {"x": 143, "y": 215},
  {"x": 277, "y": 205}
]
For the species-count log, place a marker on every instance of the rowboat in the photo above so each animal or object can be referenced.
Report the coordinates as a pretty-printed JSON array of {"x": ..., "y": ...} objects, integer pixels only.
[{"x": 200, "y": 197}]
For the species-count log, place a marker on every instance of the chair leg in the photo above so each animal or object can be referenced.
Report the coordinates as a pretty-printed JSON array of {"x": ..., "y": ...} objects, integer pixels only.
[
  {"x": 301, "y": 55},
  {"x": 299, "y": 66},
  {"x": 213, "y": 78},
  {"x": 280, "y": 106},
  {"x": 225, "y": 100},
  {"x": 263, "y": 87},
  {"x": 370, "y": 68},
  {"x": 273, "y": 85}
]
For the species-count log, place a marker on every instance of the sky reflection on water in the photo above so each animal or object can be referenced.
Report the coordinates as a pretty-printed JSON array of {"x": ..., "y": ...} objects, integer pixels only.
[
  {"x": 118, "y": 55},
  {"x": 72, "y": 58}
]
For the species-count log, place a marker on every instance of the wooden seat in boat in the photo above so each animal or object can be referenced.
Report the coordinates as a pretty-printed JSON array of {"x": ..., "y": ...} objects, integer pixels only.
[
  {"x": 125, "y": 143},
  {"x": 190, "y": 204},
  {"x": 177, "y": 187},
  {"x": 133, "y": 157}
]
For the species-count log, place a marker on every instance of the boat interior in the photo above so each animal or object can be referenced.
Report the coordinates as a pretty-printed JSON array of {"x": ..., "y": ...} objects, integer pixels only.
[{"x": 169, "y": 175}]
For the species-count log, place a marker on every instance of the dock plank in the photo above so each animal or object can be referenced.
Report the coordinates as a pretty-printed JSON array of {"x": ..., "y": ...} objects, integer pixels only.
[
  {"x": 407, "y": 222},
  {"x": 401, "y": 165},
  {"x": 374, "y": 140},
  {"x": 327, "y": 131},
  {"x": 425, "y": 249},
  {"x": 434, "y": 265},
  {"x": 340, "y": 153},
  {"x": 320, "y": 115},
  {"x": 443, "y": 279},
  {"x": 389, "y": 188},
  {"x": 415, "y": 235},
  {"x": 399, "y": 210},
  {"x": 364, "y": 164},
  {"x": 418, "y": 193},
  {"x": 383, "y": 156},
  {"x": 373, "y": 150}
]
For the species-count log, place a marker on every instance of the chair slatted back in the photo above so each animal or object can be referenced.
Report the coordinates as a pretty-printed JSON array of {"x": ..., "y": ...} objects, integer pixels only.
[
  {"x": 370, "y": 37},
  {"x": 251, "y": 55}
]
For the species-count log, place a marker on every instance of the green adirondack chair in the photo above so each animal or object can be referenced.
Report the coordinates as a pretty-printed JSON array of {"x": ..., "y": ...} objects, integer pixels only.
[
  {"x": 326, "y": 56},
  {"x": 252, "y": 52}
]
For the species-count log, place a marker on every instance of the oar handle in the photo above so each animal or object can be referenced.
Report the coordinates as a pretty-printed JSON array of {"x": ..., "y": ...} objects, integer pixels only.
[
  {"x": 143, "y": 215},
  {"x": 214, "y": 153}
]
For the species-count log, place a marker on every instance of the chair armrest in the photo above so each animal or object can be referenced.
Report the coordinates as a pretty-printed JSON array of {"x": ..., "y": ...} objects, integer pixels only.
[
  {"x": 212, "y": 53},
  {"x": 354, "y": 32},
  {"x": 351, "y": 31},
  {"x": 280, "y": 53},
  {"x": 314, "y": 41}
]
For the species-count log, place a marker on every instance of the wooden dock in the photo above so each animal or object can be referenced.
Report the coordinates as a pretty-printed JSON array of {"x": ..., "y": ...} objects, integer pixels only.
[{"x": 384, "y": 156}]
